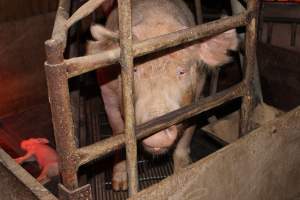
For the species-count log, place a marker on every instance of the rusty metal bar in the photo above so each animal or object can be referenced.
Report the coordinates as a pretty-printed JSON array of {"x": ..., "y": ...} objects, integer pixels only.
[
  {"x": 250, "y": 62},
  {"x": 101, "y": 148},
  {"x": 126, "y": 61},
  {"x": 58, "y": 40},
  {"x": 83, "y": 11},
  {"x": 80, "y": 65},
  {"x": 59, "y": 98}
]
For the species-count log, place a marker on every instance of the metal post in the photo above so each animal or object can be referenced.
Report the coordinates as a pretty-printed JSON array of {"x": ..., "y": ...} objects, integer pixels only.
[
  {"x": 249, "y": 99},
  {"x": 126, "y": 61},
  {"x": 58, "y": 92},
  {"x": 59, "y": 98}
]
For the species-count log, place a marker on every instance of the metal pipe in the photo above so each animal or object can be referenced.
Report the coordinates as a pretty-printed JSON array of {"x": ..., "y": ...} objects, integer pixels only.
[
  {"x": 250, "y": 62},
  {"x": 126, "y": 61},
  {"x": 80, "y": 65},
  {"x": 59, "y": 35},
  {"x": 101, "y": 148},
  {"x": 59, "y": 98}
]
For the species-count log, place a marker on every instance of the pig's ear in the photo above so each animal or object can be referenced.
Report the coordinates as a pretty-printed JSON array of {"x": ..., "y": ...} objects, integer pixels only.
[
  {"x": 101, "y": 33},
  {"x": 42, "y": 140},
  {"x": 105, "y": 39},
  {"x": 214, "y": 51}
]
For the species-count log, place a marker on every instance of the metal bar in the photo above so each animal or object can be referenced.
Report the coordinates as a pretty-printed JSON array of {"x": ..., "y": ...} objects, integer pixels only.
[
  {"x": 101, "y": 148},
  {"x": 126, "y": 61},
  {"x": 250, "y": 62},
  {"x": 59, "y": 35},
  {"x": 59, "y": 98},
  {"x": 80, "y": 65},
  {"x": 83, "y": 11},
  {"x": 199, "y": 14}
]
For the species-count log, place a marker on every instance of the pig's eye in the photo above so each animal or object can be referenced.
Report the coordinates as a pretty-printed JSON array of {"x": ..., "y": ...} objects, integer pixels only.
[{"x": 180, "y": 71}]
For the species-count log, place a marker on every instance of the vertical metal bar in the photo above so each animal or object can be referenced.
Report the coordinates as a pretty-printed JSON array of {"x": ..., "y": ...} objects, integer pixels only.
[
  {"x": 59, "y": 99},
  {"x": 125, "y": 28},
  {"x": 250, "y": 62},
  {"x": 293, "y": 34},
  {"x": 198, "y": 7}
]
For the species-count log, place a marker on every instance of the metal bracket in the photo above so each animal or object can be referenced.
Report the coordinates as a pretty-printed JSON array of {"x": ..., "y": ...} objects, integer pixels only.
[{"x": 82, "y": 193}]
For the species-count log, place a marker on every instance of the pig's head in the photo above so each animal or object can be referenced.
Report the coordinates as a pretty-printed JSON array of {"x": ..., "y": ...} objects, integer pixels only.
[
  {"x": 31, "y": 143},
  {"x": 172, "y": 79}
]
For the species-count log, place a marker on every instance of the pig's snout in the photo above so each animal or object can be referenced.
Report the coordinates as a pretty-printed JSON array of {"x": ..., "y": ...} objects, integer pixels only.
[{"x": 160, "y": 142}]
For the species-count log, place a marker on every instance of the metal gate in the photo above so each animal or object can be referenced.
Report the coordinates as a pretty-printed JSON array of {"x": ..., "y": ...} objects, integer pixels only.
[{"x": 59, "y": 70}]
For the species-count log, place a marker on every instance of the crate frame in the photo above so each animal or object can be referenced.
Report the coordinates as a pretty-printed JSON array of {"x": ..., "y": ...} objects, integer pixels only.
[{"x": 59, "y": 70}]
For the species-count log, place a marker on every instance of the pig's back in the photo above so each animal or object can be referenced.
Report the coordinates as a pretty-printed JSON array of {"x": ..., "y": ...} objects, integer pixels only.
[{"x": 154, "y": 10}]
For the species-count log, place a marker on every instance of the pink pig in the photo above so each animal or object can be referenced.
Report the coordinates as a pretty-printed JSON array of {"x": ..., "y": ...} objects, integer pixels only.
[
  {"x": 173, "y": 79},
  {"x": 47, "y": 158}
]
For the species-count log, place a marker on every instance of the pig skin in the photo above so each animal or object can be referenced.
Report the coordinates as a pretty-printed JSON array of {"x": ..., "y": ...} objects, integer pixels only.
[{"x": 46, "y": 157}]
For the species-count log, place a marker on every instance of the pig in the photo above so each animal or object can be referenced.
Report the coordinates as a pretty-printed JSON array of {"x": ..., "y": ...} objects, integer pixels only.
[
  {"x": 46, "y": 157},
  {"x": 163, "y": 81}
]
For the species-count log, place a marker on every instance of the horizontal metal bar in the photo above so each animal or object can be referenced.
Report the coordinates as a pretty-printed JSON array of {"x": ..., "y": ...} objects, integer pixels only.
[
  {"x": 80, "y": 65},
  {"x": 187, "y": 112},
  {"x": 84, "y": 11},
  {"x": 101, "y": 148}
]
